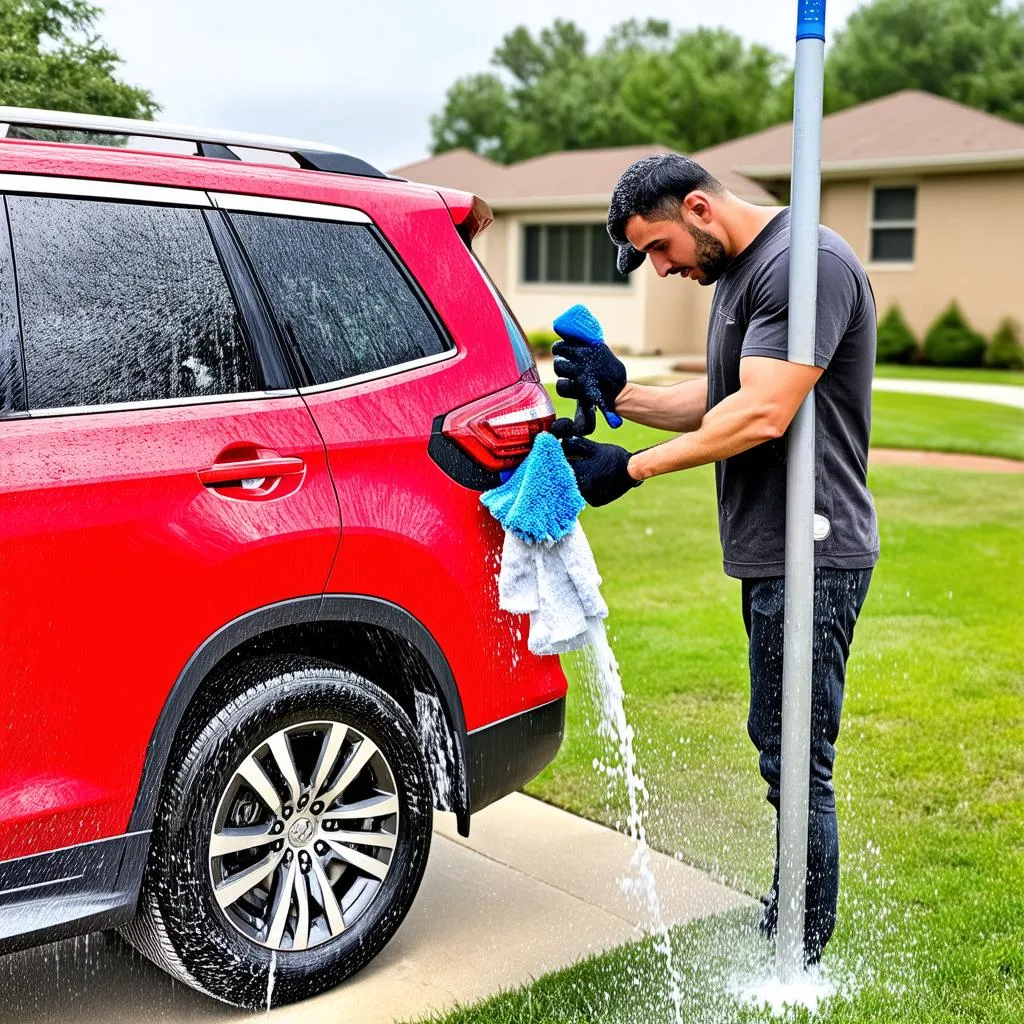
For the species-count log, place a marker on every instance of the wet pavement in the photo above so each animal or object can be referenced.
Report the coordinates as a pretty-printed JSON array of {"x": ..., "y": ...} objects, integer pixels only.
[{"x": 532, "y": 890}]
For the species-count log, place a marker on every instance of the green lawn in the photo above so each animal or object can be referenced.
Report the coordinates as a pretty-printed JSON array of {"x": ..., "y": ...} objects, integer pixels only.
[
  {"x": 929, "y": 776},
  {"x": 970, "y": 374},
  {"x": 946, "y": 425}
]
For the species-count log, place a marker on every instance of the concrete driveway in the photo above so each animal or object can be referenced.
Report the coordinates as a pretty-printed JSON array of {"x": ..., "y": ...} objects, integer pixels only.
[{"x": 532, "y": 890}]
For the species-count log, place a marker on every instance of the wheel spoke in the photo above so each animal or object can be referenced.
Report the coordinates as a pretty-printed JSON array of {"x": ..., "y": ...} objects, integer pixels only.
[
  {"x": 372, "y": 807},
  {"x": 246, "y": 880},
  {"x": 282, "y": 907},
  {"x": 281, "y": 750},
  {"x": 328, "y": 756},
  {"x": 234, "y": 840},
  {"x": 328, "y": 899},
  {"x": 259, "y": 783},
  {"x": 301, "y": 940},
  {"x": 382, "y": 839},
  {"x": 356, "y": 763},
  {"x": 360, "y": 861}
]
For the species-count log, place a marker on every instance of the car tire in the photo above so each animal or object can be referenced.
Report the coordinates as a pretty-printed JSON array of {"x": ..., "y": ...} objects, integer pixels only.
[{"x": 261, "y": 949}]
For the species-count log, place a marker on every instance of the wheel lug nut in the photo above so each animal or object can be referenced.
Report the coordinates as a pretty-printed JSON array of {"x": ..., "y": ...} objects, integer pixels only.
[
  {"x": 288, "y": 857},
  {"x": 278, "y": 828},
  {"x": 321, "y": 848},
  {"x": 317, "y": 808},
  {"x": 287, "y": 812},
  {"x": 278, "y": 845},
  {"x": 303, "y": 800}
]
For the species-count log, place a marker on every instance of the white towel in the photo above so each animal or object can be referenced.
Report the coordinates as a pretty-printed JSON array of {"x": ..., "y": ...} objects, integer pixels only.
[{"x": 557, "y": 585}]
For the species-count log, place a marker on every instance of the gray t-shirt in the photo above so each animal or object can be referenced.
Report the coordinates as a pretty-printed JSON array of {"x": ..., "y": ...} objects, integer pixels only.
[{"x": 750, "y": 317}]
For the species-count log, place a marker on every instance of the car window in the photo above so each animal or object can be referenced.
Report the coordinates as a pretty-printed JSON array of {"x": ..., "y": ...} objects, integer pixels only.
[
  {"x": 11, "y": 391},
  {"x": 122, "y": 302},
  {"x": 334, "y": 287}
]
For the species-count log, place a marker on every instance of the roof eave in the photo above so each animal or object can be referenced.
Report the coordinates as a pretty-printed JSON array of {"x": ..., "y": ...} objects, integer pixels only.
[
  {"x": 836, "y": 170},
  {"x": 517, "y": 203}
]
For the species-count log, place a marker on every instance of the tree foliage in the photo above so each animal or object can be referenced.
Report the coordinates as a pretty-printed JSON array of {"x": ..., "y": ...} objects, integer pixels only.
[
  {"x": 646, "y": 83},
  {"x": 50, "y": 56},
  {"x": 643, "y": 84},
  {"x": 971, "y": 51}
]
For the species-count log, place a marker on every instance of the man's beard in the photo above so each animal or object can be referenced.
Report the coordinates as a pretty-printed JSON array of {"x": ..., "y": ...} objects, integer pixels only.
[{"x": 712, "y": 259}]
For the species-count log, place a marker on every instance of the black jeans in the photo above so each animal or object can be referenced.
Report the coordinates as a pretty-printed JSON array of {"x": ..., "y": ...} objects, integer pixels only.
[{"x": 838, "y": 597}]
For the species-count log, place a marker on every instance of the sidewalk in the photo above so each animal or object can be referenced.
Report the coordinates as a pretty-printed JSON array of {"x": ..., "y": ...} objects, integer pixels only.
[
  {"x": 532, "y": 890},
  {"x": 646, "y": 368}
]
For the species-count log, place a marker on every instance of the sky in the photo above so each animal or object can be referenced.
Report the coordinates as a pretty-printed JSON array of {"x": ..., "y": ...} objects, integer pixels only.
[{"x": 365, "y": 76}]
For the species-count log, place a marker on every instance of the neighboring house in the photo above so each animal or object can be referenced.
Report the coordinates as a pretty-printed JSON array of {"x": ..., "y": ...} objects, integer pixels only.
[{"x": 928, "y": 192}]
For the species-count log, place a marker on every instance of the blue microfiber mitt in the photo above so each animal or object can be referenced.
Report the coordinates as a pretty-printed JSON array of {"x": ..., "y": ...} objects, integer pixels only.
[
  {"x": 541, "y": 501},
  {"x": 578, "y": 324}
]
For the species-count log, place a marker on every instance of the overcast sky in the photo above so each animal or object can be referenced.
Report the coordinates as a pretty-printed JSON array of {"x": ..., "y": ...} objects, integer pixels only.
[{"x": 364, "y": 75}]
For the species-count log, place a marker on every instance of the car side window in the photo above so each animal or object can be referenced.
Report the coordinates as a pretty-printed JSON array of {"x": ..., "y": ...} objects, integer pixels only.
[
  {"x": 122, "y": 302},
  {"x": 335, "y": 288}
]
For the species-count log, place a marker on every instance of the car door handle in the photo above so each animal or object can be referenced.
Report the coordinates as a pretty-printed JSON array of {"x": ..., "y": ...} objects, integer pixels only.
[{"x": 237, "y": 470}]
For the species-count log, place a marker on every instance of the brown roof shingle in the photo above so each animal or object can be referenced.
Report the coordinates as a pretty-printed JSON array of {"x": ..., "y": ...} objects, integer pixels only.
[
  {"x": 570, "y": 175},
  {"x": 906, "y": 126}
]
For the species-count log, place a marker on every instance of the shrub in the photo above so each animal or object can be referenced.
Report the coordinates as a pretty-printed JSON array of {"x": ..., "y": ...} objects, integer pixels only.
[
  {"x": 951, "y": 341},
  {"x": 896, "y": 343},
  {"x": 1004, "y": 351},
  {"x": 541, "y": 341}
]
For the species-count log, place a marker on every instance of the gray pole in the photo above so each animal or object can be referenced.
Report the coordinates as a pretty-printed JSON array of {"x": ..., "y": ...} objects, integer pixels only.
[{"x": 796, "y": 673}]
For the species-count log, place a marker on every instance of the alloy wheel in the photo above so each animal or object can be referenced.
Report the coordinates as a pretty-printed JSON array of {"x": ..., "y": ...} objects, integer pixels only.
[{"x": 304, "y": 835}]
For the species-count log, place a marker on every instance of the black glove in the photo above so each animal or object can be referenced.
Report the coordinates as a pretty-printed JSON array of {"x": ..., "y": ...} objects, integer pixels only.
[
  {"x": 601, "y": 469},
  {"x": 591, "y": 374}
]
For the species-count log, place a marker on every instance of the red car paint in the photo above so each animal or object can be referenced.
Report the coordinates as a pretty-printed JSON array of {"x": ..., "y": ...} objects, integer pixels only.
[{"x": 117, "y": 560}]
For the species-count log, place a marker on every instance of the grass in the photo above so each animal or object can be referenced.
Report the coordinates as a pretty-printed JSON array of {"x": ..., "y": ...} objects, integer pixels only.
[
  {"x": 967, "y": 374},
  {"x": 946, "y": 425},
  {"x": 929, "y": 776}
]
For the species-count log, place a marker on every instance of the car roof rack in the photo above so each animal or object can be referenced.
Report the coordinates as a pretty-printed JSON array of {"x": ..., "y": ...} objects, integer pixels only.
[{"x": 124, "y": 132}]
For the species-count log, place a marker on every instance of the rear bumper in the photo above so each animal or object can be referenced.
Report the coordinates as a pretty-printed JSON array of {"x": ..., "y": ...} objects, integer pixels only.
[{"x": 505, "y": 755}]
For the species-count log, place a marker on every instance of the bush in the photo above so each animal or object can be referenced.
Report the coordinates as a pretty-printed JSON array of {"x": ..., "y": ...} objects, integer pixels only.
[
  {"x": 1004, "y": 351},
  {"x": 951, "y": 342},
  {"x": 541, "y": 341},
  {"x": 896, "y": 343}
]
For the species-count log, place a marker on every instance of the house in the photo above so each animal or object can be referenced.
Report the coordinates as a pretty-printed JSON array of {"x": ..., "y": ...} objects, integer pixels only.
[{"x": 928, "y": 192}]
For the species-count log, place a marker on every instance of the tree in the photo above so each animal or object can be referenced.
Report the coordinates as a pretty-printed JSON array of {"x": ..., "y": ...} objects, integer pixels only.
[
  {"x": 51, "y": 57},
  {"x": 642, "y": 85},
  {"x": 971, "y": 51}
]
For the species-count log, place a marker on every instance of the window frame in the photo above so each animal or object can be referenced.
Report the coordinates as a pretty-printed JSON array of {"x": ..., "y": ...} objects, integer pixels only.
[
  {"x": 875, "y": 225},
  {"x": 298, "y": 209},
  {"x": 44, "y": 186},
  {"x": 615, "y": 287}
]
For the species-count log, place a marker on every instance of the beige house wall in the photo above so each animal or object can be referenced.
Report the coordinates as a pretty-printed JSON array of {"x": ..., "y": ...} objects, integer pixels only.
[
  {"x": 967, "y": 245},
  {"x": 644, "y": 315}
]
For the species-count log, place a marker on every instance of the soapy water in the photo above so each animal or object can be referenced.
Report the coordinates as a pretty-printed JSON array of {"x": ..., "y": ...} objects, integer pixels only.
[
  {"x": 719, "y": 970},
  {"x": 271, "y": 978},
  {"x": 615, "y": 728}
]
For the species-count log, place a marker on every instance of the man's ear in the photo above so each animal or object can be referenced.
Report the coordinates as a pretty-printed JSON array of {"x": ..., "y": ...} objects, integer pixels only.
[{"x": 698, "y": 205}]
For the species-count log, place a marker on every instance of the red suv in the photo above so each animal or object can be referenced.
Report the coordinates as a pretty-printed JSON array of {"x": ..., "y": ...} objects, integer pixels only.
[{"x": 250, "y": 392}]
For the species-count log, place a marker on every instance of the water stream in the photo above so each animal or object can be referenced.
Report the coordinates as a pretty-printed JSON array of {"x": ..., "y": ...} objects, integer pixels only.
[{"x": 605, "y": 678}]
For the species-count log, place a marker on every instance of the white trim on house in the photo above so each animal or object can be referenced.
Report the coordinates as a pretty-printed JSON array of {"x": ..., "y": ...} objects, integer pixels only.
[{"x": 995, "y": 160}]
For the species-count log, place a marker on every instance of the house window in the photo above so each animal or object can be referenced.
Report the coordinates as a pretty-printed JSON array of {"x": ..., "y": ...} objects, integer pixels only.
[
  {"x": 893, "y": 222},
  {"x": 569, "y": 254}
]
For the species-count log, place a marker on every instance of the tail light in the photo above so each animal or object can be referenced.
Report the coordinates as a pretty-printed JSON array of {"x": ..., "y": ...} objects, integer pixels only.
[{"x": 498, "y": 430}]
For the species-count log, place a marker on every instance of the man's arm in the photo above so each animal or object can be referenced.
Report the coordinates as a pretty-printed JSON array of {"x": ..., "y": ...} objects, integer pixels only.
[
  {"x": 678, "y": 408},
  {"x": 770, "y": 393}
]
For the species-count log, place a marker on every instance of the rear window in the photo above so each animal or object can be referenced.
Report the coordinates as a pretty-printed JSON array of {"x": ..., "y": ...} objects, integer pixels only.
[{"x": 334, "y": 287}]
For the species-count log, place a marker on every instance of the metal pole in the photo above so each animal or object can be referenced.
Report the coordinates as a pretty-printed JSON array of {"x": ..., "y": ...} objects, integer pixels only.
[{"x": 797, "y": 645}]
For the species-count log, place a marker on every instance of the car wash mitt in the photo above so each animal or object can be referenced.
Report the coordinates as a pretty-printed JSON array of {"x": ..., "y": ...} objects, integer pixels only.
[{"x": 547, "y": 570}]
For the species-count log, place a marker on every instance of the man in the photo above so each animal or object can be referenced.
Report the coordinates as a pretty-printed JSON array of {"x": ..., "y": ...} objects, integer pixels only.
[{"x": 669, "y": 209}]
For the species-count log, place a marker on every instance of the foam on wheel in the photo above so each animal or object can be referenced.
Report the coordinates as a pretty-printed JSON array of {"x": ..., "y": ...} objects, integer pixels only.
[{"x": 293, "y": 831}]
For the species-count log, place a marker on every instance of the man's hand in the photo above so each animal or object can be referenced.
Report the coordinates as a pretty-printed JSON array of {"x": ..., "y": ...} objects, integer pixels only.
[
  {"x": 602, "y": 470},
  {"x": 591, "y": 374}
]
